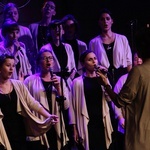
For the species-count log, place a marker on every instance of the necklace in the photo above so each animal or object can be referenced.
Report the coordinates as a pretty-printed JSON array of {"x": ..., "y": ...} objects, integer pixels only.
[
  {"x": 108, "y": 47},
  {"x": 8, "y": 94}
]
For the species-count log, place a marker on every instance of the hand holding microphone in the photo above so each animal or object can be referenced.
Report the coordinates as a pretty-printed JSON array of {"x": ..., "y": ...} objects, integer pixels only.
[
  {"x": 101, "y": 69},
  {"x": 51, "y": 72},
  {"x": 55, "y": 81}
]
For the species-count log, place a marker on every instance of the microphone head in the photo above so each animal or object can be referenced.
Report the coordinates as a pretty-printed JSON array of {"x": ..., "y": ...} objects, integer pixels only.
[
  {"x": 51, "y": 69},
  {"x": 51, "y": 72},
  {"x": 99, "y": 68}
]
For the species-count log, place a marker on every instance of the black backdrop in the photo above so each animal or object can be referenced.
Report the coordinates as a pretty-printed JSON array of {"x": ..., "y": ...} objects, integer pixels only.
[{"x": 129, "y": 15}]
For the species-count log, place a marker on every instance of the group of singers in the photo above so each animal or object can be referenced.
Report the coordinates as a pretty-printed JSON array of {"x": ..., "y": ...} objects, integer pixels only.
[{"x": 55, "y": 91}]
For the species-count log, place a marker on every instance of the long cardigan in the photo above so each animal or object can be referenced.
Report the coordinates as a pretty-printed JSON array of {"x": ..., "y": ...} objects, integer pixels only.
[
  {"x": 25, "y": 103},
  {"x": 35, "y": 86},
  {"x": 79, "y": 113}
]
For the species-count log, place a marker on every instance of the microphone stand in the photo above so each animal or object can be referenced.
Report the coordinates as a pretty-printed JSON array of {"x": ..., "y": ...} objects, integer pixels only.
[
  {"x": 60, "y": 99},
  {"x": 133, "y": 26}
]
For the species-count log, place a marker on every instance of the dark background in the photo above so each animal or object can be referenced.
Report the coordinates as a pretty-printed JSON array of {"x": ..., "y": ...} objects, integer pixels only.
[{"x": 129, "y": 15}]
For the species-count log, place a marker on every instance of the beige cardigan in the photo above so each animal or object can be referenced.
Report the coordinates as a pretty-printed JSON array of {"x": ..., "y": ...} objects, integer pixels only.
[
  {"x": 25, "y": 103},
  {"x": 78, "y": 111},
  {"x": 38, "y": 92}
]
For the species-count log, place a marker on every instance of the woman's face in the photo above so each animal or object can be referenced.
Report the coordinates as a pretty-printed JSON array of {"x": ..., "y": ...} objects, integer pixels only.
[
  {"x": 12, "y": 14},
  {"x": 48, "y": 9},
  {"x": 69, "y": 28},
  {"x": 12, "y": 36},
  {"x": 90, "y": 61},
  {"x": 137, "y": 60},
  {"x": 46, "y": 61},
  {"x": 105, "y": 22},
  {"x": 7, "y": 68},
  {"x": 57, "y": 32}
]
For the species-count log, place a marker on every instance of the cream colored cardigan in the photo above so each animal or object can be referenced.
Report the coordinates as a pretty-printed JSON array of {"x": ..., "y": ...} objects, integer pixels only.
[
  {"x": 79, "y": 113},
  {"x": 25, "y": 103}
]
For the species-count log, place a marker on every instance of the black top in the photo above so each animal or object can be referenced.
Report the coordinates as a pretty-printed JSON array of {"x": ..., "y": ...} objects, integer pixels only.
[
  {"x": 61, "y": 55},
  {"x": 113, "y": 73},
  {"x": 51, "y": 134},
  {"x": 42, "y": 36},
  {"x": 93, "y": 96},
  {"x": 13, "y": 122},
  {"x": 109, "y": 52},
  {"x": 48, "y": 89},
  {"x": 74, "y": 45}
]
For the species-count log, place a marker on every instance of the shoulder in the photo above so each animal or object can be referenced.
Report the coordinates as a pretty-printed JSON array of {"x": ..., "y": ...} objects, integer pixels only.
[
  {"x": 68, "y": 47},
  {"x": 17, "y": 83},
  {"x": 78, "y": 79},
  {"x": 66, "y": 44},
  {"x": 34, "y": 24},
  {"x": 81, "y": 42},
  {"x": 23, "y": 28},
  {"x": 46, "y": 46},
  {"x": 95, "y": 39},
  {"x": 123, "y": 78},
  {"x": 121, "y": 36},
  {"x": 33, "y": 77}
]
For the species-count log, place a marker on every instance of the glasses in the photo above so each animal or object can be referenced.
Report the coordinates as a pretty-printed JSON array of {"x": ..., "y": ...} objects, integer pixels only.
[
  {"x": 50, "y": 6},
  {"x": 50, "y": 58}
]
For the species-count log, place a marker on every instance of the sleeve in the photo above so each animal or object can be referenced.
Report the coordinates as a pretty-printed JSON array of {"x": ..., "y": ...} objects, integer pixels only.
[
  {"x": 128, "y": 52},
  {"x": 73, "y": 101},
  {"x": 66, "y": 94},
  {"x": 130, "y": 88},
  {"x": 29, "y": 100}
]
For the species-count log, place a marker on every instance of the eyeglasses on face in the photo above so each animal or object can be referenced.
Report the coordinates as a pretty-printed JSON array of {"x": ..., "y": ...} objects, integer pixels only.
[
  {"x": 47, "y": 58},
  {"x": 50, "y": 6}
]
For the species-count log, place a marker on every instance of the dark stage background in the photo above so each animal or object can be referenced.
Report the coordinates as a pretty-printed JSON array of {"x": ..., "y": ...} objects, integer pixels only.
[{"x": 129, "y": 15}]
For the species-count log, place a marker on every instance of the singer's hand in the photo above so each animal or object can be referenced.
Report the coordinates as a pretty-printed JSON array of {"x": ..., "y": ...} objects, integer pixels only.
[
  {"x": 56, "y": 83},
  {"x": 102, "y": 78},
  {"x": 17, "y": 44},
  {"x": 75, "y": 133},
  {"x": 53, "y": 119},
  {"x": 101, "y": 69}
]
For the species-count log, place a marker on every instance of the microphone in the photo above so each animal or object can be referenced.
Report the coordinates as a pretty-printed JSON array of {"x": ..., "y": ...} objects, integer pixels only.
[
  {"x": 51, "y": 72},
  {"x": 99, "y": 68}
]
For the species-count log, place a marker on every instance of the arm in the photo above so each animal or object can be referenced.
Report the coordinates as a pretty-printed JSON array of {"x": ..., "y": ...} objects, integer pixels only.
[
  {"x": 30, "y": 103},
  {"x": 104, "y": 81},
  {"x": 52, "y": 118}
]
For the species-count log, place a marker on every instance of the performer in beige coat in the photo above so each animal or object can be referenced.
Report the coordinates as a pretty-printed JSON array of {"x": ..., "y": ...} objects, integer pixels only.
[
  {"x": 16, "y": 119},
  {"x": 89, "y": 108},
  {"x": 45, "y": 86}
]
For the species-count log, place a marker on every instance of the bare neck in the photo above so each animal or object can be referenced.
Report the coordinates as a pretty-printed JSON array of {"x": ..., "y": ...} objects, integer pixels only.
[
  {"x": 45, "y": 21},
  {"x": 90, "y": 74},
  {"x": 45, "y": 76}
]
